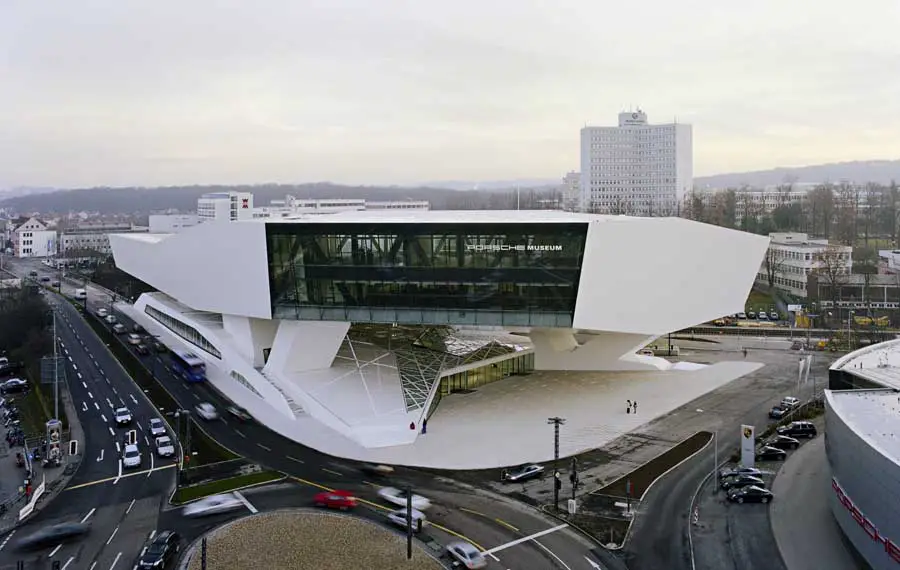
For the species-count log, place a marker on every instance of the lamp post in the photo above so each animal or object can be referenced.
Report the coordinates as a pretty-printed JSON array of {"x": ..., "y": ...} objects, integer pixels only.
[
  {"x": 557, "y": 484},
  {"x": 849, "y": 321}
]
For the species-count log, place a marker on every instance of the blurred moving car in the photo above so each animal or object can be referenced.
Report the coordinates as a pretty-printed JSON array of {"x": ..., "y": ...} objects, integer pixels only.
[
  {"x": 466, "y": 554},
  {"x": 377, "y": 470},
  {"x": 239, "y": 413},
  {"x": 398, "y": 497},
  {"x": 207, "y": 411},
  {"x": 161, "y": 551},
  {"x": 53, "y": 535},
  {"x": 524, "y": 472},
  {"x": 341, "y": 500},
  {"x": 751, "y": 494},
  {"x": 398, "y": 518},
  {"x": 213, "y": 505}
]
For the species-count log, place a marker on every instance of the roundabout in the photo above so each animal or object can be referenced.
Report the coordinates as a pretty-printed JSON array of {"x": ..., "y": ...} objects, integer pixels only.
[{"x": 305, "y": 539}]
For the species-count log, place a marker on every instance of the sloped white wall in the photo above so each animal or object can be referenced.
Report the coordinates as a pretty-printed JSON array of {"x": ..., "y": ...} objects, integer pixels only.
[
  {"x": 305, "y": 345},
  {"x": 560, "y": 349}
]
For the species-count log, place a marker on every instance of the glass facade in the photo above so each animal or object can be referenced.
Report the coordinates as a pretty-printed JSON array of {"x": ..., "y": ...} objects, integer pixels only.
[
  {"x": 185, "y": 331},
  {"x": 450, "y": 273},
  {"x": 472, "y": 379}
]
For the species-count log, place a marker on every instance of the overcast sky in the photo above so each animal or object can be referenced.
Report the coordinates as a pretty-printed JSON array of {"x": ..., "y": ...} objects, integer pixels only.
[{"x": 135, "y": 92}]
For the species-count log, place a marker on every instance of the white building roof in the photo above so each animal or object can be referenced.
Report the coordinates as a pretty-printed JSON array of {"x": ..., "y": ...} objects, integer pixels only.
[
  {"x": 879, "y": 363},
  {"x": 453, "y": 216},
  {"x": 873, "y": 415}
]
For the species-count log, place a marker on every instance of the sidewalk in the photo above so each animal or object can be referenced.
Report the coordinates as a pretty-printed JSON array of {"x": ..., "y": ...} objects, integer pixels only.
[{"x": 55, "y": 479}]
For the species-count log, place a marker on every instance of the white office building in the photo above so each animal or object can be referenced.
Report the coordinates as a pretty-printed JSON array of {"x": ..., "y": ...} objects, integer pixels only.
[
  {"x": 571, "y": 191},
  {"x": 32, "y": 237},
  {"x": 792, "y": 256},
  {"x": 225, "y": 206},
  {"x": 172, "y": 223},
  {"x": 92, "y": 238},
  {"x": 291, "y": 206},
  {"x": 636, "y": 168}
]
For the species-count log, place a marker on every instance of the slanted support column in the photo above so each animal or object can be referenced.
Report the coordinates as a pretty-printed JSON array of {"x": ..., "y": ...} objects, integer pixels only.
[
  {"x": 305, "y": 345},
  {"x": 563, "y": 349}
]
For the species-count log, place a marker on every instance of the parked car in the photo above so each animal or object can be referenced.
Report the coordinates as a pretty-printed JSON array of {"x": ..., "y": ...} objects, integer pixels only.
[
  {"x": 751, "y": 494},
  {"x": 799, "y": 344},
  {"x": 102, "y": 313},
  {"x": 341, "y": 500},
  {"x": 774, "y": 316},
  {"x": 769, "y": 453},
  {"x": 751, "y": 314},
  {"x": 164, "y": 446},
  {"x": 162, "y": 551},
  {"x": 466, "y": 554},
  {"x": 213, "y": 505},
  {"x": 111, "y": 319},
  {"x": 123, "y": 416},
  {"x": 131, "y": 457},
  {"x": 56, "y": 284},
  {"x": 737, "y": 481},
  {"x": 734, "y": 471},
  {"x": 777, "y": 412},
  {"x": 398, "y": 518},
  {"x": 157, "y": 427},
  {"x": 53, "y": 535},
  {"x": 45, "y": 279},
  {"x": 742, "y": 316},
  {"x": 239, "y": 413},
  {"x": 524, "y": 472},
  {"x": 13, "y": 386},
  {"x": 119, "y": 328},
  {"x": 783, "y": 442},
  {"x": 398, "y": 497},
  {"x": 799, "y": 429},
  {"x": 142, "y": 349},
  {"x": 207, "y": 411},
  {"x": 134, "y": 339},
  {"x": 789, "y": 403}
]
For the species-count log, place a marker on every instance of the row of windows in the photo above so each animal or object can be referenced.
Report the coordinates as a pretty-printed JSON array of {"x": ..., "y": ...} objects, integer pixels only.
[
  {"x": 239, "y": 378},
  {"x": 183, "y": 330}
]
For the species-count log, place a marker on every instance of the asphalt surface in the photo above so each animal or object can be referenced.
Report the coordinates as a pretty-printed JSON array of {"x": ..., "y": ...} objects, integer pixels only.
[
  {"x": 459, "y": 511},
  {"x": 805, "y": 530}
]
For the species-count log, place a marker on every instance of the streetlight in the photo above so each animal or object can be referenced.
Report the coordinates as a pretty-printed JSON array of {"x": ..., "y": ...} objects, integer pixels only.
[
  {"x": 557, "y": 484},
  {"x": 849, "y": 321}
]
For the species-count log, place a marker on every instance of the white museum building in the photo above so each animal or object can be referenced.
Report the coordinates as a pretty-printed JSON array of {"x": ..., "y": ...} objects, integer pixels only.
[{"x": 348, "y": 332}]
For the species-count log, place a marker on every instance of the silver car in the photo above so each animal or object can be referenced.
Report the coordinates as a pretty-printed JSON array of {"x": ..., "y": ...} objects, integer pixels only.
[
  {"x": 157, "y": 427},
  {"x": 466, "y": 554},
  {"x": 398, "y": 518}
]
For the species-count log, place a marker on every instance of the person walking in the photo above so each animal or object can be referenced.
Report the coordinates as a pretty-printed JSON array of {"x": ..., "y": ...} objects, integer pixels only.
[
  {"x": 628, "y": 408},
  {"x": 634, "y": 405}
]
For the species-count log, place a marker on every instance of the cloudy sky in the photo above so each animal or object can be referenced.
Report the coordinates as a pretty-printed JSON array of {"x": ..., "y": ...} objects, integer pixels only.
[{"x": 113, "y": 92}]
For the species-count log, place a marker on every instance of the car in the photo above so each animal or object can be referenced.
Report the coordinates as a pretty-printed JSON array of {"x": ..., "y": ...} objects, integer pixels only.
[
  {"x": 53, "y": 535},
  {"x": 213, "y": 505},
  {"x": 751, "y": 314},
  {"x": 341, "y": 500},
  {"x": 111, "y": 319},
  {"x": 783, "y": 442},
  {"x": 119, "y": 328},
  {"x": 239, "y": 413},
  {"x": 799, "y": 429},
  {"x": 157, "y": 427},
  {"x": 159, "y": 346},
  {"x": 789, "y": 403},
  {"x": 161, "y": 551},
  {"x": 762, "y": 316},
  {"x": 123, "y": 416},
  {"x": 102, "y": 313},
  {"x": 524, "y": 472},
  {"x": 56, "y": 284},
  {"x": 131, "y": 457},
  {"x": 739, "y": 481},
  {"x": 134, "y": 339},
  {"x": 376, "y": 470},
  {"x": 466, "y": 554},
  {"x": 774, "y": 316},
  {"x": 138, "y": 328},
  {"x": 142, "y": 349},
  {"x": 45, "y": 279},
  {"x": 398, "y": 497},
  {"x": 798, "y": 345},
  {"x": 769, "y": 453},
  {"x": 742, "y": 315},
  {"x": 164, "y": 446},
  {"x": 14, "y": 385},
  {"x": 751, "y": 471},
  {"x": 751, "y": 494},
  {"x": 398, "y": 517},
  {"x": 777, "y": 412},
  {"x": 207, "y": 411},
  {"x": 32, "y": 273}
]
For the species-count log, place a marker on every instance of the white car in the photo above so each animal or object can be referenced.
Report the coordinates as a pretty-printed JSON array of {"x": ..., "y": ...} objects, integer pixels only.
[
  {"x": 123, "y": 416},
  {"x": 111, "y": 319},
  {"x": 165, "y": 447},
  {"x": 207, "y": 411},
  {"x": 398, "y": 518},
  {"x": 157, "y": 427},
  {"x": 466, "y": 554},
  {"x": 102, "y": 313},
  {"x": 134, "y": 339},
  {"x": 213, "y": 505},
  {"x": 131, "y": 457},
  {"x": 398, "y": 497},
  {"x": 790, "y": 402}
]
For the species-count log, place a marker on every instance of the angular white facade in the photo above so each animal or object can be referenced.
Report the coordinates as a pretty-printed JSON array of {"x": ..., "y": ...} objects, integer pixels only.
[{"x": 587, "y": 303}]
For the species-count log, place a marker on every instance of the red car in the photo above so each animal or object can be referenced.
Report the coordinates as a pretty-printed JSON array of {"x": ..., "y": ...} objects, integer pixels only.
[{"x": 342, "y": 500}]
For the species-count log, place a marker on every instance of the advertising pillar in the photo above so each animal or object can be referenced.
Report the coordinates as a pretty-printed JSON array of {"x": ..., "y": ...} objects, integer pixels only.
[{"x": 748, "y": 446}]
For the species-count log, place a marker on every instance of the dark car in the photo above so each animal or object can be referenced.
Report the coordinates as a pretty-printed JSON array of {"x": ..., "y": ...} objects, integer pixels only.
[
  {"x": 752, "y": 471},
  {"x": 239, "y": 413},
  {"x": 162, "y": 550},
  {"x": 55, "y": 284},
  {"x": 45, "y": 279},
  {"x": 751, "y": 494},
  {"x": 377, "y": 470},
  {"x": 32, "y": 273},
  {"x": 739, "y": 481},
  {"x": 783, "y": 442},
  {"x": 137, "y": 328},
  {"x": 777, "y": 412},
  {"x": 142, "y": 349},
  {"x": 799, "y": 429},
  {"x": 13, "y": 385},
  {"x": 53, "y": 535},
  {"x": 769, "y": 453},
  {"x": 159, "y": 347}
]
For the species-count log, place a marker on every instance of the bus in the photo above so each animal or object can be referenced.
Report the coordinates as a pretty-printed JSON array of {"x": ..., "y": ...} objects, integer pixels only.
[{"x": 188, "y": 366}]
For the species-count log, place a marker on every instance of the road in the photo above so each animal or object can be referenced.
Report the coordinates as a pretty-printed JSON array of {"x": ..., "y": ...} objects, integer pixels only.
[{"x": 461, "y": 511}]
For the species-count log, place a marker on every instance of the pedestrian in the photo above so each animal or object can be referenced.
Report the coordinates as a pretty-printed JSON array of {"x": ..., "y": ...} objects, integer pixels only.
[
  {"x": 635, "y": 406},
  {"x": 745, "y": 353},
  {"x": 628, "y": 408}
]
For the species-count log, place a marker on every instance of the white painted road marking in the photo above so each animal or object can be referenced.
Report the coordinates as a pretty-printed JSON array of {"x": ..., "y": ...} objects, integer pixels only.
[
  {"x": 593, "y": 564},
  {"x": 5, "y": 540},
  {"x": 150, "y": 472},
  {"x": 69, "y": 561},
  {"x": 90, "y": 512},
  {"x": 118, "y": 449},
  {"x": 116, "y": 480},
  {"x": 140, "y": 427},
  {"x": 111, "y": 432},
  {"x": 524, "y": 539},
  {"x": 294, "y": 459},
  {"x": 113, "y": 535},
  {"x": 83, "y": 383},
  {"x": 54, "y": 551},
  {"x": 75, "y": 366},
  {"x": 239, "y": 433},
  {"x": 91, "y": 396},
  {"x": 264, "y": 447},
  {"x": 96, "y": 405},
  {"x": 110, "y": 403},
  {"x": 99, "y": 459},
  {"x": 133, "y": 399},
  {"x": 240, "y": 496},
  {"x": 553, "y": 554},
  {"x": 84, "y": 407},
  {"x": 130, "y": 506},
  {"x": 116, "y": 561},
  {"x": 104, "y": 418},
  {"x": 79, "y": 375}
]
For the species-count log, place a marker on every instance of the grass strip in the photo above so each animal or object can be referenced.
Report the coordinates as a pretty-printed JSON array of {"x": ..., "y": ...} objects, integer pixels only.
[{"x": 187, "y": 494}]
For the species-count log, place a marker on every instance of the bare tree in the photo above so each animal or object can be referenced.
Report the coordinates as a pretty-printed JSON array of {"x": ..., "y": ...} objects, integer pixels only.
[
  {"x": 832, "y": 264},
  {"x": 821, "y": 210},
  {"x": 865, "y": 263},
  {"x": 772, "y": 263},
  {"x": 847, "y": 214}
]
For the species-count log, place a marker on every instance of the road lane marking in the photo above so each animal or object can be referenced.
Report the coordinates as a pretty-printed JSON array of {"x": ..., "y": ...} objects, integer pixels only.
[
  {"x": 111, "y": 431},
  {"x": 75, "y": 366},
  {"x": 326, "y": 470},
  {"x": 118, "y": 449},
  {"x": 130, "y": 506},
  {"x": 5, "y": 540},
  {"x": 553, "y": 554},
  {"x": 292, "y": 458},
  {"x": 69, "y": 561},
  {"x": 90, "y": 512},
  {"x": 79, "y": 375},
  {"x": 116, "y": 480},
  {"x": 99, "y": 459},
  {"x": 525, "y": 539},
  {"x": 240, "y": 496},
  {"x": 391, "y": 509},
  {"x": 124, "y": 476},
  {"x": 70, "y": 358},
  {"x": 91, "y": 396},
  {"x": 133, "y": 399},
  {"x": 96, "y": 405},
  {"x": 147, "y": 440},
  {"x": 116, "y": 561},
  {"x": 150, "y": 471},
  {"x": 110, "y": 403},
  {"x": 264, "y": 447},
  {"x": 104, "y": 418},
  {"x": 237, "y": 431},
  {"x": 83, "y": 383},
  {"x": 506, "y": 524},
  {"x": 140, "y": 427},
  {"x": 84, "y": 407},
  {"x": 112, "y": 536},
  {"x": 593, "y": 564},
  {"x": 54, "y": 551},
  {"x": 370, "y": 484}
]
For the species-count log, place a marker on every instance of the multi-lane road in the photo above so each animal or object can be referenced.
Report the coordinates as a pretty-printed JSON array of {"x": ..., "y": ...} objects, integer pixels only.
[{"x": 126, "y": 507}]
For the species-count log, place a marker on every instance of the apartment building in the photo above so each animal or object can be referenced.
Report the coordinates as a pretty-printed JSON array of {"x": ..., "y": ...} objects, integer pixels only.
[
  {"x": 93, "y": 238},
  {"x": 636, "y": 168},
  {"x": 793, "y": 257},
  {"x": 225, "y": 206},
  {"x": 31, "y": 237},
  {"x": 571, "y": 191}
]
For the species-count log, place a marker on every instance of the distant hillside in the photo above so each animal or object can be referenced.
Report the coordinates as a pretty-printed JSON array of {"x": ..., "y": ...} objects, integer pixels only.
[
  {"x": 879, "y": 171},
  {"x": 523, "y": 184},
  {"x": 184, "y": 198}
]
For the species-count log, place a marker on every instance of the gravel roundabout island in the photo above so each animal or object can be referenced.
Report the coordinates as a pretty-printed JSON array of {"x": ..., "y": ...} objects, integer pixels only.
[{"x": 308, "y": 540}]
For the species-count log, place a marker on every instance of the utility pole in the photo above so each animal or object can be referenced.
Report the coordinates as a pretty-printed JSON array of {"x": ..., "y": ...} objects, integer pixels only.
[
  {"x": 409, "y": 521},
  {"x": 187, "y": 421},
  {"x": 55, "y": 371},
  {"x": 556, "y": 422}
]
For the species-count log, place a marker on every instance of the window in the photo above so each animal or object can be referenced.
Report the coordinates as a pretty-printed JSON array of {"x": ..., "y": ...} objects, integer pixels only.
[
  {"x": 183, "y": 330},
  {"x": 239, "y": 378}
]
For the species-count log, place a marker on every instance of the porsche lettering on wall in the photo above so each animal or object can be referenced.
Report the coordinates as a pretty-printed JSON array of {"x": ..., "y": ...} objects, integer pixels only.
[{"x": 864, "y": 523}]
